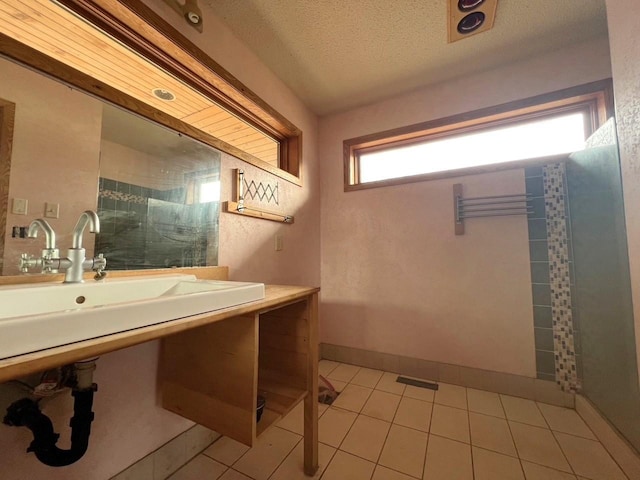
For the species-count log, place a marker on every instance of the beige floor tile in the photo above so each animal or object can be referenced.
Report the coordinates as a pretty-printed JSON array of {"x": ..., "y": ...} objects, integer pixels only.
[
  {"x": 226, "y": 451},
  {"x": 450, "y": 422},
  {"x": 343, "y": 372},
  {"x": 344, "y": 466},
  {"x": 447, "y": 460},
  {"x": 491, "y": 433},
  {"x": 271, "y": 448},
  {"x": 381, "y": 405},
  {"x": 588, "y": 458},
  {"x": 487, "y": 403},
  {"x": 384, "y": 473},
  {"x": 233, "y": 475},
  {"x": 141, "y": 470},
  {"x": 293, "y": 466},
  {"x": 198, "y": 438},
  {"x": 404, "y": 451},
  {"x": 337, "y": 384},
  {"x": 367, "y": 377},
  {"x": 537, "y": 445},
  {"x": 169, "y": 457},
  {"x": 325, "y": 367},
  {"x": 451, "y": 395},
  {"x": 387, "y": 383},
  {"x": 419, "y": 393},
  {"x": 200, "y": 468},
  {"x": 353, "y": 398},
  {"x": 366, "y": 438},
  {"x": 565, "y": 420},
  {"x": 414, "y": 413},
  {"x": 334, "y": 425},
  {"x": 495, "y": 466},
  {"x": 294, "y": 420},
  {"x": 522, "y": 410},
  {"x": 534, "y": 471}
]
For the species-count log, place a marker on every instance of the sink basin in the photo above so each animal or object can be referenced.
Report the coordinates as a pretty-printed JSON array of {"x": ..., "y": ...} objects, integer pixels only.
[{"x": 35, "y": 317}]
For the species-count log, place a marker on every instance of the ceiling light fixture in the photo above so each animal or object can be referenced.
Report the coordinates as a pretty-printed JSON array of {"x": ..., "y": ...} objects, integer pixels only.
[
  {"x": 163, "y": 94},
  {"x": 471, "y": 22},
  {"x": 189, "y": 11},
  {"x": 467, "y": 5},
  {"x": 470, "y": 17}
]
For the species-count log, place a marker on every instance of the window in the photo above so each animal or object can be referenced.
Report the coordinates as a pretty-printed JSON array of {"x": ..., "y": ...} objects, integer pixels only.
[{"x": 489, "y": 139}]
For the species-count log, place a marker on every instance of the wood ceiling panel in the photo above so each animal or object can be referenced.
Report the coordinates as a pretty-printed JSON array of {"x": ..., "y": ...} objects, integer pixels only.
[
  {"x": 51, "y": 29},
  {"x": 54, "y": 35}
]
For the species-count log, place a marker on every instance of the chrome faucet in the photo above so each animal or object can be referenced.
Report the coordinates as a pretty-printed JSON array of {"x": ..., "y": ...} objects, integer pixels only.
[
  {"x": 50, "y": 251},
  {"x": 76, "y": 262},
  {"x": 76, "y": 254}
]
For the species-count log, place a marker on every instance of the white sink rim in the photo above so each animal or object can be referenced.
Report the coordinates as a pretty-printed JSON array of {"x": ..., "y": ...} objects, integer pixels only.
[{"x": 28, "y": 333}]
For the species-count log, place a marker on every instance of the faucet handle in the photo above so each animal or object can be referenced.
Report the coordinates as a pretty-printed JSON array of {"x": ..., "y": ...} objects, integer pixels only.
[
  {"x": 28, "y": 261},
  {"x": 99, "y": 264}
]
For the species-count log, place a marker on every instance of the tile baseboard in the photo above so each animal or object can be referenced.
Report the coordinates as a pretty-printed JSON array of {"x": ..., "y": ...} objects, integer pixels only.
[
  {"x": 543, "y": 391},
  {"x": 166, "y": 460},
  {"x": 622, "y": 452}
]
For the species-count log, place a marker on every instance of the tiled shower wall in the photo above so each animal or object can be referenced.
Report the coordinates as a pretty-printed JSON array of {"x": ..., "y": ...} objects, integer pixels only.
[
  {"x": 555, "y": 328},
  {"x": 131, "y": 238}
]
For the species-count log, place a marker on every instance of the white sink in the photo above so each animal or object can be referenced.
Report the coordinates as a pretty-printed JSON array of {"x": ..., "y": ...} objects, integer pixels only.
[{"x": 35, "y": 317}]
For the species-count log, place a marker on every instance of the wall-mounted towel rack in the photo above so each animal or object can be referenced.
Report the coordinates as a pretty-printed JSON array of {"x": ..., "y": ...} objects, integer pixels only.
[
  {"x": 489, "y": 206},
  {"x": 238, "y": 205}
]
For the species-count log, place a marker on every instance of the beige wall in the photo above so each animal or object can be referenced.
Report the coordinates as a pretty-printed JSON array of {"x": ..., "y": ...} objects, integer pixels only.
[
  {"x": 625, "y": 61},
  {"x": 117, "y": 163},
  {"x": 53, "y": 159},
  {"x": 395, "y": 278}
]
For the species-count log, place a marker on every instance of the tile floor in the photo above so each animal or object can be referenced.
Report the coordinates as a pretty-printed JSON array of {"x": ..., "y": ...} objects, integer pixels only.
[{"x": 379, "y": 429}]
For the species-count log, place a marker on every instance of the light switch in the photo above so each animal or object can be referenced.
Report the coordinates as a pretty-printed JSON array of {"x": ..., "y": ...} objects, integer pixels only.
[
  {"x": 20, "y": 206},
  {"x": 278, "y": 243},
  {"x": 52, "y": 210}
]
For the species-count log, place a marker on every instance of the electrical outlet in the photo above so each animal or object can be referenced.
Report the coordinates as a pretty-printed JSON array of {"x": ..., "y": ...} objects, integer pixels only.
[
  {"x": 278, "y": 242},
  {"x": 52, "y": 210},
  {"x": 20, "y": 206}
]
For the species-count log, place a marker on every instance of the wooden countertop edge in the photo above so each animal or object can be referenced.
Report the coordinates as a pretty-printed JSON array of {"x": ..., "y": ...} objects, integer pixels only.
[{"x": 18, "y": 366}]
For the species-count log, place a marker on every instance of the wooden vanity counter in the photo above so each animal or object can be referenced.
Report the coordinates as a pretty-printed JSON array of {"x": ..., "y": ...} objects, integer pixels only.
[{"x": 214, "y": 365}]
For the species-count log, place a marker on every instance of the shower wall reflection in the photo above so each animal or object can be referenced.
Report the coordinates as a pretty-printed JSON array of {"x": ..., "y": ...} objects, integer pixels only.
[{"x": 158, "y": 197}]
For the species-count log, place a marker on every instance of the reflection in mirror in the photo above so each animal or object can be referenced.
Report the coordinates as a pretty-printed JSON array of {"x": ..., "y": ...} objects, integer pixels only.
[
  {"x": 158, "y": 196},
  {"x": 156, "y": 191}
]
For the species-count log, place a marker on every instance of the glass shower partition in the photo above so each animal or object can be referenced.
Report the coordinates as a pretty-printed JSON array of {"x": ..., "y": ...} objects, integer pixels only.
[{"x": 602, "y": 300}]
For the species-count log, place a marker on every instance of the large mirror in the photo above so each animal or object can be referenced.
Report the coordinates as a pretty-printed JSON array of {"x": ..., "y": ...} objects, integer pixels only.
[
  {"x": 125, "y": 53},
  {"x": 156, "y": 191}
]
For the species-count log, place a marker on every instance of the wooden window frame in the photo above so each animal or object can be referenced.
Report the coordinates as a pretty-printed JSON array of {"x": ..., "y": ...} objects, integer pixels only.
[
  {"x": 595, "y": 99},
  {"x": 142, "y": 30}
]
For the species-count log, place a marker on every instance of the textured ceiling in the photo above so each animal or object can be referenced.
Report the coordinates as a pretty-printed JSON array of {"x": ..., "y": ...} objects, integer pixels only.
[{"x": 338, "y": 54}]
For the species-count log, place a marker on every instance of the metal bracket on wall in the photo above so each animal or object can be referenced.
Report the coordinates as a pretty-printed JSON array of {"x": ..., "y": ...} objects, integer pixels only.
[
  {"x": 238, "y": 205},
  {"x": 491, "y": 206}
]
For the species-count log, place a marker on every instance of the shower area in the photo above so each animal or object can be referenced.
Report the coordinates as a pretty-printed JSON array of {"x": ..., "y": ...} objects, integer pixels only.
[
  {"x": 602, "y": 292},
  {"x": 583, "y": 313}
]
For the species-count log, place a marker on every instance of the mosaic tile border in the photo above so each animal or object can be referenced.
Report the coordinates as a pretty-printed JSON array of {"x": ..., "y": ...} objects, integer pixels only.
[
  {"x": 127, "y": 197},
  {"x": 554, "y": 181}
]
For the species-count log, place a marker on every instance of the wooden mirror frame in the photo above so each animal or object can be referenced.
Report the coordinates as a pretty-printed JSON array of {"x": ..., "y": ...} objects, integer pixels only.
[{"x": 142, "y": 30}]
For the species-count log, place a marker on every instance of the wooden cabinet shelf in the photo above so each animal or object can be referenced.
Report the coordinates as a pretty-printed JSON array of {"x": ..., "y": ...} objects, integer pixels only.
[{"x": 214, "y": 374}]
